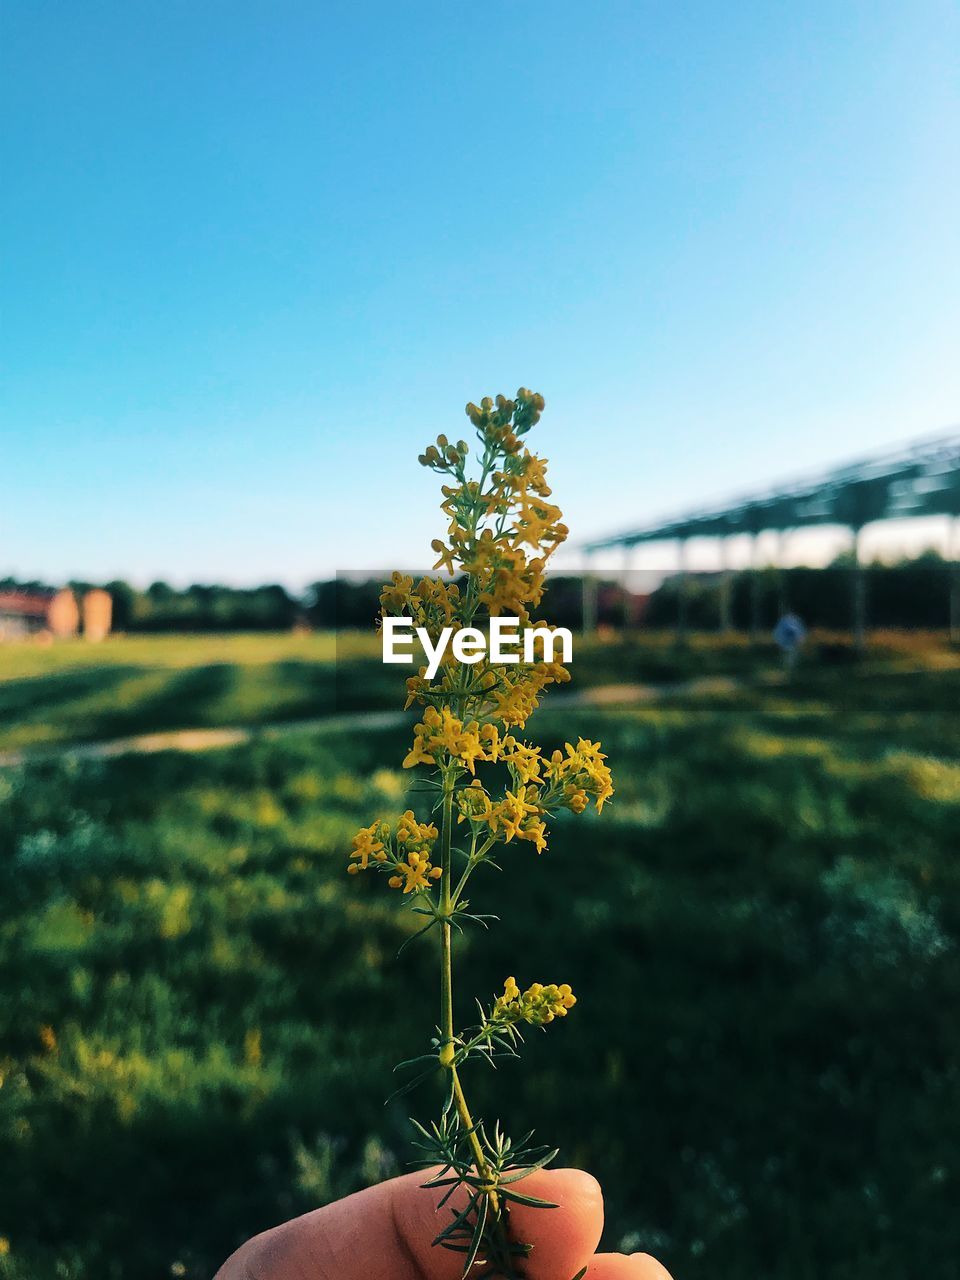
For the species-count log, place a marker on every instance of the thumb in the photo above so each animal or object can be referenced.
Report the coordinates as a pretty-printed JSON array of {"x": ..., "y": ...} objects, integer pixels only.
[{"x": 563, "y": 1238}]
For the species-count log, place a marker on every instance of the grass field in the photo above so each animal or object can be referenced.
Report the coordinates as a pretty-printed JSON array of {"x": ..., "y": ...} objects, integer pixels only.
[
  {"x": 75, "y": 692},
  {"x": 200, "y": 1010}
]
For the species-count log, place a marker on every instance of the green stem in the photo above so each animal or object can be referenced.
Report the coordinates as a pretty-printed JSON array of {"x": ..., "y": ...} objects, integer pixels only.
[
  {"x": 446, "y": 907},
  {"x": 473, "y": 861},
  {"x": 448, "y": 1051}
]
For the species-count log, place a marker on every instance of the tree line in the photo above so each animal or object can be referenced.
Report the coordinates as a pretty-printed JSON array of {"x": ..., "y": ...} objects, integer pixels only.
[{"x": 912, "y": 593}]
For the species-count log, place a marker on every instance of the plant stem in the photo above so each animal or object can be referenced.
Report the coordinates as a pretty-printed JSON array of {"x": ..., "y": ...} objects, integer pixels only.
[
  {"x": 474, "y": 860},
  {"x": 447, "y": 1051},
  {"x": 446, "y": 904}
]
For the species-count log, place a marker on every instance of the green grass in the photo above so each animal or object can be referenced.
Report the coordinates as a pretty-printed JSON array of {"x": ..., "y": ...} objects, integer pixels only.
[
  {"x": 75, "y": 692},
  {"x": 166, "y": 651},
  {"x": 200, "y": 1010}
]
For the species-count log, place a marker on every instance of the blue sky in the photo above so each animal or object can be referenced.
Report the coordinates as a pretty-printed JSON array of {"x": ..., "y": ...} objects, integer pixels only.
[{"x": 256, "y": 255}]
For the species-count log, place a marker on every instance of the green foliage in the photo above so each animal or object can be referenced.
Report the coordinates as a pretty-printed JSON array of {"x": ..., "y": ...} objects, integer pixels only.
[
  {"x": 914, "y": 593},
  {"x": 198, "y": 1011}
]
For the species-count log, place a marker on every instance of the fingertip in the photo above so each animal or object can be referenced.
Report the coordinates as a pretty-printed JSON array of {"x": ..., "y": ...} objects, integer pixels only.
[
  {"x": 650, "y": 1267},
  {"x": 574, "y": 1192},
  {"x": 654, "y": 1270},
  {"x": 563, "y": 1238},
  {"x": 622, "y": 1266}
]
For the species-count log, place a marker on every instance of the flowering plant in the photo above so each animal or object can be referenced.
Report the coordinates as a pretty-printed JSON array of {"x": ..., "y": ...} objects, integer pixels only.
[{"x": 502, "y": 529}]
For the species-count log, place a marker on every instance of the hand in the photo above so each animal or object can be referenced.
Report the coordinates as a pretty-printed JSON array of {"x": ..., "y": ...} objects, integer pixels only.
[{"x": 384, "y": 1233}]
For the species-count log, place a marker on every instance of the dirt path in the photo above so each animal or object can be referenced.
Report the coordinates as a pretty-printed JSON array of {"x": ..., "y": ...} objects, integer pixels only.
[
  {"x": 231, "y": 736},
  {"x": 199, "y": 739}
]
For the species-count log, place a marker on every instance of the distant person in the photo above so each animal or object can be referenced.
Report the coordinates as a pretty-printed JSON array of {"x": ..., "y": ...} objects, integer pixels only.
[
  {"x": 384, "y": 1233},
  {"x": 790, "y": 634}
]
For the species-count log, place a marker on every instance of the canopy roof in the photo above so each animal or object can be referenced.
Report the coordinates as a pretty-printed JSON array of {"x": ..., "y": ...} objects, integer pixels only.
[{"x": 921, "y": 479}]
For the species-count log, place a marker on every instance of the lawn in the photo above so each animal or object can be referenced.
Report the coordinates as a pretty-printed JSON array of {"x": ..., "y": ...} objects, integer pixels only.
[
  {"x": 200, "y": 1010},
  {"x": 74, "y": 692}
]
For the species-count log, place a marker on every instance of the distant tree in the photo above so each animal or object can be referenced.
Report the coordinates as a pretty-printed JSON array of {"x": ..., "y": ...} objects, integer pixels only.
[
  {"x": 124, "y": 599},
  {"x": 342, "y": 604}
]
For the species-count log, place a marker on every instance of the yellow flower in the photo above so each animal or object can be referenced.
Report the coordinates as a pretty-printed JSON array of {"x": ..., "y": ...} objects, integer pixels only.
[
  {"x": 417, "y": 686},
  {"x": 448, "y": 732},
  {"x": 535, "y": 831},
  {"x": 395, "y": 597},
  {"x": 417, "y": 753},
  {"x": 537, "y": 1005},
  {"x": 524, "y": 760},
  {"x": 367, "y": 844},
  {"x": 511, "y": 813},
  {"x": 415, "y": 835},
  {"x": 583, "y": 772},
  {"x": 469, "y": 747},
  {"x": 424, "y": 735},
  {"x": 446, "y": 560},
  {"x": 442, "y": 731},
  {"x": 415, "y": 874},
  {"x": 473, "y": 803},
  {"x": 492, "y": 743},
  {"x": 575, "y": 798}
]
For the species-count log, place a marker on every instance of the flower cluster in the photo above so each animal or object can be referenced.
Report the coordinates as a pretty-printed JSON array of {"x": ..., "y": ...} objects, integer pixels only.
[
  {"x": 512, "y": 493},
  {"x": 537, "y": 1005},
  {"x": 440, "y": 733},
  {"x": 369, "y": 843},
  {"x": 502, "y": 528},
  {"x": 432, "y": 603},
  {"x": 406, "y": 854},
  {"x": 566, "y": 781},
  {"x": 581, "y": 772}
]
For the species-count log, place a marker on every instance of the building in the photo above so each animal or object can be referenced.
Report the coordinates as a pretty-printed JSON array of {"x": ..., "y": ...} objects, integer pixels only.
[
  {"x": 27, "y": 614},
  {"x": 97, "y": 614}
]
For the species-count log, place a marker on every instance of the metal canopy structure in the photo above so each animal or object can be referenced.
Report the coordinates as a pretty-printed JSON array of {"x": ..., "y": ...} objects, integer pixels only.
[{"x": 922, "y": 479}]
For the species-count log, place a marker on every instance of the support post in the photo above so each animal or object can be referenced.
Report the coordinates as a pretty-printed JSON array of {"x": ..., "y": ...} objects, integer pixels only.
[
  {"x": 859, "y": 594},
  {"x": 754, "y": 589},
  {"x": 955, "y": 583},
  {"x": 625, "y": 589},
  {"x": 683, "y": 598},
  {"x": 588, "y": 601},
  {"x": 726, "y": 585},
  {"x": 783, "y": 594}
]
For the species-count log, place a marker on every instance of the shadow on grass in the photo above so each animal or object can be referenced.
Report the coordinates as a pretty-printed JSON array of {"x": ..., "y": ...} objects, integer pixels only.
[{"x": 38, "y": 697}]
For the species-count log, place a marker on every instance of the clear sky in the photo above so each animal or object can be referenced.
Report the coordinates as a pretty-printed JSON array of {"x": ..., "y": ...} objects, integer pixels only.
[{"x": 256, "y": 255}]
